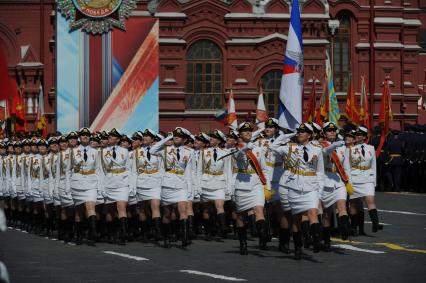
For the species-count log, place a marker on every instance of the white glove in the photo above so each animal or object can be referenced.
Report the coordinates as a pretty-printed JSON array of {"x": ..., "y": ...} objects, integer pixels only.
[{"x": 339, "y": 143}]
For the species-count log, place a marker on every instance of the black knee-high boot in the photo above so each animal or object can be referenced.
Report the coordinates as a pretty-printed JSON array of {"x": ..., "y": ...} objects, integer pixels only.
[
  {"x": 354, "y": 224},
  {"x": 262, "y": 234},
  {"x": 166, "y": 235},
  {"x": 174, "y": 230},
  {"x": 361, "y": 223},
  {"x": 375, "y": 220},
  {"x": 122, "y": 231},
  {"x": 184, "y": 233},
  {"x": 207, "y": 229},
  {"x": 315, "y": 232},
  {"x": 190, "y": 227},
  {"x": 307, "y": 238},
  {"x": 93, "y": 233},
  {"x": 221, "y": 221},
  {"x": 252, "y": 225},
  {"x": 344, "y": 227},
  {"x": 68, "y": 230},
  {"x": 78, "y": 233},
  {"x": 61, "y": 229},
  {"x": 157, "y": 228},
  {"x": 144, "y": 231},
  {"x": 284, "y": 237},
  {"x": 326, "y": 236},
  {"x": 111, "y": 232},
  {"x": 242, "y": 237},
  {"x": 297, "y": 239}
]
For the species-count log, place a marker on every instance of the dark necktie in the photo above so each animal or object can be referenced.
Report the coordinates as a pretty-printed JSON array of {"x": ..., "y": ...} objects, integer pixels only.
[
  {"x": 362, "y": 150},
  {"x": 215, "y": 154},
  {"x": 85, "y": 155},
  {"x": 305, "y": 154},
  {"x": 114, "y": 154},
  {"x": 272, "y": 141},
  {"x": 148, "y": 155},
  {"x": 178, "y": 154}
]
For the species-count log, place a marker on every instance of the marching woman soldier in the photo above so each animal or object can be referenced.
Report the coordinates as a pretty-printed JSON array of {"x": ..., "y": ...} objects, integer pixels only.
[
  {"x": 249, "y": 187},
  {"x": 18, "y": 201},
  {"x": 2, "y": 173},
  {"x": 54, "y": 157},
  {"x": 215, "y": 176},
  {"x": 132, "y": 203},
  {"x": 46, "y": 185},
  {"x": 304, "y": 179},
  {"x": 362, "y": 159},
  {"x": 274, "y": 171},
  {"x": 200, "y": 142},
  {"x": 116, "y": 169},
  {"x": 8, "y": 159},
  {"x": 176, "y": 183},
  {"x": 26, "y": 155},
  {"x": 65, "y": 228},
  {"x": 336, "y": 164},
  {"x": 149, "y": 171},
  {"x": 34, "y": 183},
  {"x": 84, "y": 171},
  {"x": 231, "y": 143},
  {"x": 100, "y": 200}
]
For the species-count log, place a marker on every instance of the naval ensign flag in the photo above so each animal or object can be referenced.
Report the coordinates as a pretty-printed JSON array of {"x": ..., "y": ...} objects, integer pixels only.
[{"x": 290, "y": 107}]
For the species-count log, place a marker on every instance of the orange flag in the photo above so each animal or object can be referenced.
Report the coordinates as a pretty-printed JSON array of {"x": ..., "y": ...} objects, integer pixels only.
[
  {"x": 351, "y": 108},
  {"x": 364, "y": 116},
  {"x": 385, "y": 115},
  {"x": 310, "y": 110}
]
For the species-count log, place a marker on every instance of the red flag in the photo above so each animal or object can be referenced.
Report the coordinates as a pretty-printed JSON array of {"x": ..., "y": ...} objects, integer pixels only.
[
  {"x": 16, "y": 108},
  {"x": 310, "y": 110},
  {"x": 351, "y": 108},
  {"x": 322, "y": 113},
  {"x": 41, "y": 119},
  {"x": 364, "y": 115},
  {"x": 385, "y": 115}
]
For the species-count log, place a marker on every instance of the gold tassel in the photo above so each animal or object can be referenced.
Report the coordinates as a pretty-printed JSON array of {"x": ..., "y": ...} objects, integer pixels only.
[
  {"x": 268, "y": 193},
  {"x": 349, "y": 188}
]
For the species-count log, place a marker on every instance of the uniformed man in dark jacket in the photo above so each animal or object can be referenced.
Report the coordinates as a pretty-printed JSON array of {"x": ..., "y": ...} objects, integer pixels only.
[{"x": 394, "y": 147}]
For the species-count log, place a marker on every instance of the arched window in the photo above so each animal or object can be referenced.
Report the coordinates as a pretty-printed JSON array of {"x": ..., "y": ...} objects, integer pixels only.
[
  {"x": 204, "y": 76},
  {"x": 342, "y": 54},
  {"x": 271, "y": 82}
]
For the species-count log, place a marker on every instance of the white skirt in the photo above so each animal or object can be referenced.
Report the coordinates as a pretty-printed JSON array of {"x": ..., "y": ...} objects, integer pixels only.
[
  {"x": 20, "y": 192},
  {"x": 37, "y": 195},
  {"x": 66, "y": 197},
  {"x": 248, "y": 199},
  {"x": 283, "y": 194},
  {"x": 212, "y": 194},
  {"x": 117, "y": 194},
  {"x": 362, "y": 190},
  {"x": 47, "y": 198},
  {"x": 144, "y": 194},
  {"x": 133, "y": 198},
  {"x": 100, "y": 199},
  {"x": 82, "y": 195},
  {"x": 172, "y": 195},
  {"x": 330, "y": 196},
  {"x": 302, "y": 201}
]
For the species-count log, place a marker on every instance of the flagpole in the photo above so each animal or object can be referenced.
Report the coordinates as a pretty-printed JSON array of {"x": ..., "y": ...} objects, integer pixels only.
[{"x": 372, "y": 66}]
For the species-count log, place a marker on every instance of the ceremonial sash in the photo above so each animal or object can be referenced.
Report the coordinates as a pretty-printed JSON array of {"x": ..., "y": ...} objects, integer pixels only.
[
  {"x": 339, "y": 168},
  {"x": 255, "y": 163}
]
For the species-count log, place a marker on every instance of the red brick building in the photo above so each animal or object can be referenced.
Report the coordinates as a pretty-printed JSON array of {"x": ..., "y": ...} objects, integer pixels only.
[{"x": 210, "y": 46}]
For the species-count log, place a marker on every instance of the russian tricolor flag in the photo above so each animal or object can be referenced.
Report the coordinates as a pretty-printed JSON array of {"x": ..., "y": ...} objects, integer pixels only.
[{"x": 290, "y": 107}]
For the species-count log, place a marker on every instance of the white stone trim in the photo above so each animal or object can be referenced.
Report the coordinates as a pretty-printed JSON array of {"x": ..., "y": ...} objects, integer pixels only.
[
  {"x": 412, "y": 22},
  {"x": 138, "y": 13},
  {"x": 166, "y": 40},
  {"x": 360, "y": 45},
  {"x": 240, "y": 81},
  {"x": 386, "y": 20},
  {"x": 315, "y": 41},
  {"x": 170, "y": 15},
  {"x": 388, "y": 45},
  {"x": 408, "y": 84},
  {"x": 30, "y": 64},
  {"x": 412, "y": 46},
  {"x": 275, "y": 35},
  {"x": 273, "y": 16}
]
